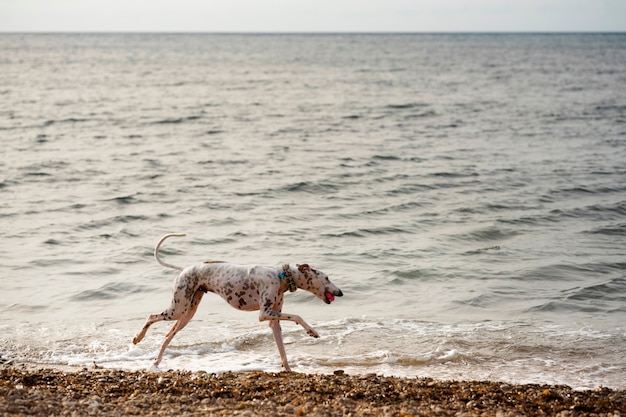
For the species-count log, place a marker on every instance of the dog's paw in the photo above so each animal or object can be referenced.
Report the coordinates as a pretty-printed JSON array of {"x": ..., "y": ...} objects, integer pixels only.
[{"x": 313, "y": 333}]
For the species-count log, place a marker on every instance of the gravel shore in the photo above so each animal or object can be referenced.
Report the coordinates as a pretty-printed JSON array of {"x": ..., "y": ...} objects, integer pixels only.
[{"x": 46, "y": 392}]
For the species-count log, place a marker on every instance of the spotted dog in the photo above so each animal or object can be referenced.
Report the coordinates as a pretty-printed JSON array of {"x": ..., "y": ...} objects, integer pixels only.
[{"x": 247, "y": 288}]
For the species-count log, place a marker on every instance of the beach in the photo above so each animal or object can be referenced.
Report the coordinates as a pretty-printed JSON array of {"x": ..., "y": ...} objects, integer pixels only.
[
  {"x": 27, "y": 390},
  {"x": 466, "y": 192}
]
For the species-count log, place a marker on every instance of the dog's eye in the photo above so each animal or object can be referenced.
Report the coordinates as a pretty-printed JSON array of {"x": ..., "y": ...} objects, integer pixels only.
[{"x": 314, "y": 270}]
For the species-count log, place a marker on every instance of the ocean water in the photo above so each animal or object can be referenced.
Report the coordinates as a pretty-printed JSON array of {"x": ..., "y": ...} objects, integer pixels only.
[{"x": 466, "y": 192}]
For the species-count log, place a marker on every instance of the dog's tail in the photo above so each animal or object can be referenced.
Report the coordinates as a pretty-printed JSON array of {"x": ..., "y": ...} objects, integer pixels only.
[{"x": 156, "y": 251}]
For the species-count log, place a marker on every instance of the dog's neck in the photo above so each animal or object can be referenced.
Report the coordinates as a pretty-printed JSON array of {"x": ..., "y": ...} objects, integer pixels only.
[{"x": 287, "y": 275}]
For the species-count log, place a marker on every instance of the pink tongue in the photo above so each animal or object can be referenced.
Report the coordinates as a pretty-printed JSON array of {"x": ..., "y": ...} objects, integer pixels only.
[{"x": 330, "y": 297}]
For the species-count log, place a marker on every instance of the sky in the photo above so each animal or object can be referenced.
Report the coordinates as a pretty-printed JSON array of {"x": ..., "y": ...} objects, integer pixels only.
[{"x": 312, "y": 15}]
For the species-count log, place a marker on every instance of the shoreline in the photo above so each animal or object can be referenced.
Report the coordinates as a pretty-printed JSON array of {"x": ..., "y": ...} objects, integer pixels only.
[{"x": 31, "y": 390}]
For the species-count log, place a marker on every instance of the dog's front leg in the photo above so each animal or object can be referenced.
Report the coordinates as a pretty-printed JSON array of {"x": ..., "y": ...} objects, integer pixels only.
[
  {"x": 269, "y": 314},
  {"x": 278, "y": 338}
]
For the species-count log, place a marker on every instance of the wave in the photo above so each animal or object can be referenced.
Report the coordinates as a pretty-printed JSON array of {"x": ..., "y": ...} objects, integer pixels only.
[
  {"x": 495, "y": 350},
  {"x": 110, "y": 291},
  {"x": 369, "y": 360},
  {"x": 424, "y": 114},
  {"x": 482, "y": 250},
  {"x": 565, "y": 271},
  {"x": 396, "y": 208},
  {"x": 364, "y": 232},
  {"x": 123, "y": 200},
  {"x": 582, "y": 190},
  {"x": 386, "y": 158},
  {"x": 613, "y": 230},
  {"x": 607, "y": 297},
  {"x": 311, "y": 187},
  {"x": 224, "y": 162},
  {"x": 115, "y": 220},
  {"x": 487, "y": 234},
  {"x": 445, "y": 174},
  {"x": 613, "y": 290},
  {"x": 176, "y": 120},
  {"x": 51, "y": 122},
  {"x": 24, "y": 308},
  {"x": 379, "y": 159},
  {"x": 595, "y": 212},
  {"x": 564, "y": 307},
  {"x": 410, "y": 273},
  {"x": 402, "y": 106},
  {"x": 408, "y": 189}
]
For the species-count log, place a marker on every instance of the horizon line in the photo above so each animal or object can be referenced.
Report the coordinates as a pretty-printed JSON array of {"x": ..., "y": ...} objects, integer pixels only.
[{"x": 374, "y": 32}]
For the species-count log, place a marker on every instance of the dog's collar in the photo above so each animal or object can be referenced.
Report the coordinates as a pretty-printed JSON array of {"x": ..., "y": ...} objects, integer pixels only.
[{"x": 287, "y": 274}]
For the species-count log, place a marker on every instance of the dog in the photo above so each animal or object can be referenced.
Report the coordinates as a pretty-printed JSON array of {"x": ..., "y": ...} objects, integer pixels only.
[{"x": 248, "y": 288}]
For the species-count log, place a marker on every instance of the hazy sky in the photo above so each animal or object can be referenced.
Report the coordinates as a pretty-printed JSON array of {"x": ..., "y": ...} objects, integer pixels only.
[{"x": 311, "y": 15}]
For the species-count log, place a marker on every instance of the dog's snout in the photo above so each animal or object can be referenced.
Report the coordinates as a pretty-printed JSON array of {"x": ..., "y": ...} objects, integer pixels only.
[{"x": 338, "y": 293}]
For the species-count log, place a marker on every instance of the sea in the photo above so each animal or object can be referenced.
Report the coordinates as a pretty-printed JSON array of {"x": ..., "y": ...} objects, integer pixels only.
[{"x": 467, "y": 193}]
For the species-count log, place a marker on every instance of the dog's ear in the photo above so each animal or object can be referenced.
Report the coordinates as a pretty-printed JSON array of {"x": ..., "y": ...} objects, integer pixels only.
[{"x": 303, "y": 267}]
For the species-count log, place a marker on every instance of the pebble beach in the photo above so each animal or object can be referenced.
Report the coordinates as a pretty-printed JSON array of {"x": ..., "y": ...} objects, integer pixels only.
[{"x": 27, "y": 390}]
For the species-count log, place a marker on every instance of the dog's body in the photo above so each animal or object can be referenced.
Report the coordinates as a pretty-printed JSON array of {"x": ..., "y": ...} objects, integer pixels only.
[{"x": 246, "y": 288}]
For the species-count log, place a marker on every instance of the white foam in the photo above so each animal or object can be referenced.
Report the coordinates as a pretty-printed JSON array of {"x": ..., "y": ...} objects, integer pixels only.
[{"x": 507, "y": 351}]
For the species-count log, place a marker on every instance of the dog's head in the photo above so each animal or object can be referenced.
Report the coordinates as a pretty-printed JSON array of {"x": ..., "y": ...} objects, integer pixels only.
[{"x": 317, "y": 282}]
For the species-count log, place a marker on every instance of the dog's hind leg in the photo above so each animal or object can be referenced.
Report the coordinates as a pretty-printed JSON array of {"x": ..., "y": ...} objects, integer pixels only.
[
  {"x": 174, "y": 312},
  {"x": 153, "y": 318},
  {"x": 180, "y": 324}
]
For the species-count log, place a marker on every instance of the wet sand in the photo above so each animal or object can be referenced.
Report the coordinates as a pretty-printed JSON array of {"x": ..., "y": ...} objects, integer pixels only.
[{"x": 26, "y": 390}]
